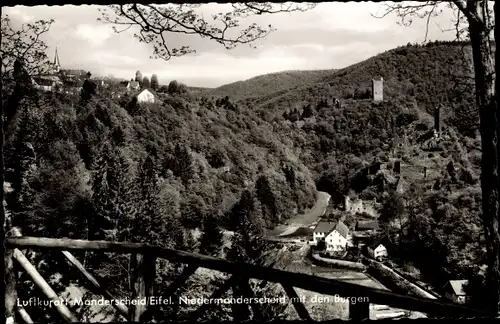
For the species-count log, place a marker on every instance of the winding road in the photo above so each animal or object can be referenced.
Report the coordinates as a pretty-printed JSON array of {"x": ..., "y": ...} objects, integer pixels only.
[
  {"x": 303, "y": 264},
  {"x": 303, "y": 220}
]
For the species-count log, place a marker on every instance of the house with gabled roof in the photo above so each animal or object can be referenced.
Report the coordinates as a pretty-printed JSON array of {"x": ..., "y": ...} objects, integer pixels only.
[
  {"x": 146, "y": 96},
  {"x": 336, "y": 240},
  {"x": 454, "y": 291},
  {"x": 322, "y": 229},
  {"x": 377, "y": 251}
]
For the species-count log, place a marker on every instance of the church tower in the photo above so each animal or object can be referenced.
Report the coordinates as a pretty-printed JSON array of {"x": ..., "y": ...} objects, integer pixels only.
[{"x": 57, "y": 64}]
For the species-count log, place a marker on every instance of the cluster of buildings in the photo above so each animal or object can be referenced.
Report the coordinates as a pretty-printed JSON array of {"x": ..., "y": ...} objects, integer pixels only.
[
  {"x": 337, "y": 238},
  {"x": 133, "y": 88},
  {"x": 60, "y": 80},
  {"x": 70, "y": 81}
]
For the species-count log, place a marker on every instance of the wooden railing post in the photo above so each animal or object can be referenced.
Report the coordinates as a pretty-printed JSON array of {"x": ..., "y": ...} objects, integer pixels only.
[
  {"x": 10, "y": 287},
  {"x": 11, "y": 279},
  {"x": 24, "y": 315},
  {"x": 44, "y": 286},
  {"x": 241, "y": 311},
  {"x": 258, "y": 311},
  {"x": 144, "y": 273},
  {"x": 359, "y": 309},
  {"x": 297, "y": 303}
]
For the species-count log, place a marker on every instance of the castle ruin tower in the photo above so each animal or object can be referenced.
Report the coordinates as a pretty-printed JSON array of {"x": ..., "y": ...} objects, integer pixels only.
[
  {"x": 437, "y": 119},
  {"x": 57, "y": 64},
  {"x": 378, "y": 89}
]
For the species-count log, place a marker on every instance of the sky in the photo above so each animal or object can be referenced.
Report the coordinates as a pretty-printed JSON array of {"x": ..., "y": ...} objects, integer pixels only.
[{"x": 330, "y": 36}]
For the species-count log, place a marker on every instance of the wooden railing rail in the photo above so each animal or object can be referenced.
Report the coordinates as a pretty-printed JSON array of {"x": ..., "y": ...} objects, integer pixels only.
[
  {"x": 123, "y": 309},
  {"x": 44, "y": 286},
  {"x": 299, "y": 280}
]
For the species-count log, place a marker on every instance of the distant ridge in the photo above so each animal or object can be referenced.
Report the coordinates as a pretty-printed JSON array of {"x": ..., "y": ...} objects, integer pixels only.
[
  {"x": 410, "y": 72},
  {"x": 267, "y": 84}
]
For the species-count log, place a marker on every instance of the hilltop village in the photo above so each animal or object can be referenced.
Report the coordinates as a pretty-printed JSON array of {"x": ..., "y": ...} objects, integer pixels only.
[{"x": 71, "y": 81}]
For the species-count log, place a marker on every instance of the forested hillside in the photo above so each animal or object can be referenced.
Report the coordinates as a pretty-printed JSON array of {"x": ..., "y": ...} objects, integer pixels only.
[
  {"x": 264, "y": 85},
  {"x": 89, "y": 168},
  {"x": 438, "y": 72},
  {"x": 92, "y": 167},
  {"x": 431, "y": 210}
]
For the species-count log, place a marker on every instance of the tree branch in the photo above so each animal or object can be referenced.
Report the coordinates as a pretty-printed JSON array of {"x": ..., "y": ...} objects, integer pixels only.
[
  {"x": 156, "y": 21},
  {"x": 25, "y": 46},
  {"x": 405, "y": 12}
]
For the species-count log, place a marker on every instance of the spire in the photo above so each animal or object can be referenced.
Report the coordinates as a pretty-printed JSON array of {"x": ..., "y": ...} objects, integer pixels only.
[{"x": 56, "y": 61}]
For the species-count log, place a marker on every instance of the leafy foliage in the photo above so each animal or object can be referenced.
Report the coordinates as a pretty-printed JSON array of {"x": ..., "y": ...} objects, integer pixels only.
[
  {"x": 145, "y": 83},
  {"x": 154, "y": 82},
  {"x": 268, "y": 84},
  {"x": 25, "y": 46},
  {"x": 93, "y": 168},
  {"x": 138, "y": 76},
  {"x": 246, "y": 217},
  {"x": 211, "y": 240}
]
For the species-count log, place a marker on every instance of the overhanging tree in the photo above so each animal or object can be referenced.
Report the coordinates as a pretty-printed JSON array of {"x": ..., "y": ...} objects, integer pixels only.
[
  {"x": 23, "y": 55},
  {"x": 475, "y": 20},
  {"x": 155, "y": 22},
  {"x": 25, "y": 46}
]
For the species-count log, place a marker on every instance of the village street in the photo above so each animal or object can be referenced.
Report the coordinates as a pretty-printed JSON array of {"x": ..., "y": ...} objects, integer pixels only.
[{"x": 297, "y": 242}]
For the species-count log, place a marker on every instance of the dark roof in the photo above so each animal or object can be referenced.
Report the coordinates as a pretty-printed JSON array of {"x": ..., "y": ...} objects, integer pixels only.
[
  {"x": 43, "y": 82},
  {"x": 324, "y": 227},
  {"x": 73, "y": 72},
  {"x": 366, "y": 225},
  {"x": 342, "y": 229},
  {"x": 52, "y": 78}
]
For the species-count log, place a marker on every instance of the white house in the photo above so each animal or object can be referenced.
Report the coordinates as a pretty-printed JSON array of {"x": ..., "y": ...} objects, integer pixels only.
[
  {"x": 145, "y": 97},
  {"x": 336, "y": 240},
  {"x": 320, "y": 231},
  {"x": 454, "y": 291},
  {"x": 377, "y": 252}
]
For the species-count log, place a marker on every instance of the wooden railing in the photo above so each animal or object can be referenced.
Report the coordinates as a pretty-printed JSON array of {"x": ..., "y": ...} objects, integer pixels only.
[{"x": 144, "y": 258}]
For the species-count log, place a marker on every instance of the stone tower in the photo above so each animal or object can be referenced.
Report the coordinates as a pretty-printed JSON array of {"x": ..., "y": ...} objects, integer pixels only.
[
  {"x": 57, "y": 64},
  {"x": 378, "y": 90},
  {"x": 437, "y": 119}
]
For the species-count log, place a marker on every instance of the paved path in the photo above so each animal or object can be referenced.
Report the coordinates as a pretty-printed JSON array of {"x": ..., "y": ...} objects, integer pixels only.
[
  {"x": 303, "y": 220},
  {"x": 314, "y": 213}
]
